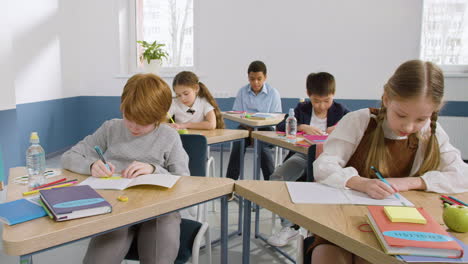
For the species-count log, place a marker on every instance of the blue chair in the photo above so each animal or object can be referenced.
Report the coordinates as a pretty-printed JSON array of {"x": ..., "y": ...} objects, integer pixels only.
[{"x": 192, "y": 232}]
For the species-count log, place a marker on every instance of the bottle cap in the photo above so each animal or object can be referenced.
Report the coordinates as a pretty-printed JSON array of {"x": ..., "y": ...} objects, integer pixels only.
[{"x": 34, "y": 138}]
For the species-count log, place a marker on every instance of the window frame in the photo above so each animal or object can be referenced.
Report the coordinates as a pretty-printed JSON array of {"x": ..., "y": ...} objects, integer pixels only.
[{"x": 165, "y": 71}]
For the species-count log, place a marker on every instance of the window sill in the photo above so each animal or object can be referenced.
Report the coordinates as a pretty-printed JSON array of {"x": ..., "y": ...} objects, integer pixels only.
[
  {"x": 456, "y": 74},
  {"x": 163, "y": 74}
]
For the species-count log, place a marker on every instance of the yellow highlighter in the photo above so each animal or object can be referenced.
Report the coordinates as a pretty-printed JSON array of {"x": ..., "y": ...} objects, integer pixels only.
[{"x": 51, "y": 187}]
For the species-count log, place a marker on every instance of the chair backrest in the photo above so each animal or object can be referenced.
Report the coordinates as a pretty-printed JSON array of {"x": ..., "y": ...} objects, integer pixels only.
[{"x": 196, "y": 148}]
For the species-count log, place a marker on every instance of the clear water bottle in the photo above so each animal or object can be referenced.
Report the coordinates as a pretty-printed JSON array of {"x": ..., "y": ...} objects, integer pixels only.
[
  {"x": 35, "y": 162},
  {"x": 291, "y": 126}
]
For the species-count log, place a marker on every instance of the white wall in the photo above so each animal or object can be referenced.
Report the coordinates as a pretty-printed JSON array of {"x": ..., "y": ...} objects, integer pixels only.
[
  {"x": 7, "y": 90},
  {"x": 43, "y": 60},
  {"x": 360, "y": 42},
  {"x": 55, "y": 49}
]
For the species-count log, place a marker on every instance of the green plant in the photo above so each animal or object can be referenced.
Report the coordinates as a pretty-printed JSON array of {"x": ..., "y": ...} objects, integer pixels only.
[{"x": 152, "y": 51}]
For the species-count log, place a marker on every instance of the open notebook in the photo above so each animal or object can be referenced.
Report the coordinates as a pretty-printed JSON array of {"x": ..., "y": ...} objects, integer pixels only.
[
  {"x": 119, "y": 183},
  {"x": 317, "y": 193}
]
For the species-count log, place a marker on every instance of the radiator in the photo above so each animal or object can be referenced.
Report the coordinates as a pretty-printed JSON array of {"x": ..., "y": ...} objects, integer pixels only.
[{"x": 457, "y": 129}]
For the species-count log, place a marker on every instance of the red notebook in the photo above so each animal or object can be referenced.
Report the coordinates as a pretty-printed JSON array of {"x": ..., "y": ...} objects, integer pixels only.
[
  {"x": 315, "y": 139},
  {"x": 396, "y": 238}
]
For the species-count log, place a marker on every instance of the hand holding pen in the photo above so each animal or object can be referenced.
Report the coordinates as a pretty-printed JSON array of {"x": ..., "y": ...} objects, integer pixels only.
[
  {"x": 379, "y": 175},
  {"x": 101, "y": 168}
]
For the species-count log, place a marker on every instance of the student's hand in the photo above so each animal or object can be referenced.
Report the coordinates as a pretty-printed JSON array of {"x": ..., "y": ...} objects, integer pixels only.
[
  {"x": 178, "y": 126},
  {"x": 137, "y": 168},
  {"x": 99, "y": 169},
  {"x": 330, "y": 129},
  {"x": 311, "y": 130},
  {"x": 375, "y": 188}
]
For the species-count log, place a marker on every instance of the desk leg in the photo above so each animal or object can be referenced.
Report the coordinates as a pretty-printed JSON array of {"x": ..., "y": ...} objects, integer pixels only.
[
  {"x": 224, "y": 230},
  {"x": 221, "y": 161},
  {"x": 241, "y": 176},
  {"x": 26, "y": 259},
  {"x": 246, "y": 233},
  {"x": 257, "y": 208}
]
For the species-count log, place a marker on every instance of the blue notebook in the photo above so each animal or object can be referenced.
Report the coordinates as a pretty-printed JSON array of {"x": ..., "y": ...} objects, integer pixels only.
[{"x": 19, "y": 211}]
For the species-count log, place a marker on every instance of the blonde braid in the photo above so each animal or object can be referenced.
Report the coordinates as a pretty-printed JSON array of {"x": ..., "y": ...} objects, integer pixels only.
[
  {"x": 432, "y": 155},
  {"x": 377, "y": 155}
]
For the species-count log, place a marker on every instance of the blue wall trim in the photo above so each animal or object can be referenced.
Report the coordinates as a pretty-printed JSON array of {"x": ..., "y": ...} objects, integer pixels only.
[
  {"x": 61, "y": 123},
  {"x": 9, "y": 140}
]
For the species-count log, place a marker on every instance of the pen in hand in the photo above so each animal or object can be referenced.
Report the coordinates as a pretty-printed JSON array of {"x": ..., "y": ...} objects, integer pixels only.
[
  {"x": 377, "y": 172},
  {"x": 101, "y": 157}
]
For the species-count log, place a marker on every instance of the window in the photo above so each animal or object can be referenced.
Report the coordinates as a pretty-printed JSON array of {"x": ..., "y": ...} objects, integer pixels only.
[
  {"x": 169, "y": 22},
  {"x": 444, "y": 37}
]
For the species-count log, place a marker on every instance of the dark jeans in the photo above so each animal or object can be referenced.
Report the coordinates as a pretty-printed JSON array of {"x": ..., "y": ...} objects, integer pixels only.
[{"x": 266, "y": 161}]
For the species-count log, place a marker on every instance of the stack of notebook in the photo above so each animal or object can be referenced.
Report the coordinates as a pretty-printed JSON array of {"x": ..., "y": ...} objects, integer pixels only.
[{"x": 412, "y": 231}]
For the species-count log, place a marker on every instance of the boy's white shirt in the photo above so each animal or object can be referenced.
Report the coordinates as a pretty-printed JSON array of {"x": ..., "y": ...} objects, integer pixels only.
[
  {"x": 201, "y": 107},
  {"x": 329, "y": 168}
]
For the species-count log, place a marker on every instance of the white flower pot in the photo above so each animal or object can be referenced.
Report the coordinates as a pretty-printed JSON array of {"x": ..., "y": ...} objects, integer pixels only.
[{"x": 153, "y": 67}]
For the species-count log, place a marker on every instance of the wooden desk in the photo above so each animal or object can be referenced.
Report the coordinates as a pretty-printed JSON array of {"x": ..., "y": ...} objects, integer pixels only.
[
  {"x": 145, "y": 203},
  {"x": 336, "y": 223},
  {"x": 239, "y": 118}
]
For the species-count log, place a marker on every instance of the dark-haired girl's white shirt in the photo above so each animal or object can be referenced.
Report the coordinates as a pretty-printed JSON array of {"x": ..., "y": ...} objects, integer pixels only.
[
  {"x": 329, "y": 168},
  {"x": 200, "y": 108}
]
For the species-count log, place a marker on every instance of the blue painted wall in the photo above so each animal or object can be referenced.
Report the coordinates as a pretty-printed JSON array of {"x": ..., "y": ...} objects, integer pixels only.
[{"x": 63, "y": 122}]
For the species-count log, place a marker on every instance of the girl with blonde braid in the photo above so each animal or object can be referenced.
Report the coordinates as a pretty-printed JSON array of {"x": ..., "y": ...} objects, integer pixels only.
[{"x": 402, "y": 139}]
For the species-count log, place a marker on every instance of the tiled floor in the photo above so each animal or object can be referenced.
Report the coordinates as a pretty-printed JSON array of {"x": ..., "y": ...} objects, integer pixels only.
[{"x": 260, "y": 252}]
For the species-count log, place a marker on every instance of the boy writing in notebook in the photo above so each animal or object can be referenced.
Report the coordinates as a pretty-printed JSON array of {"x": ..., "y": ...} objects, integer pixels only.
[
  {"x": 401, "y": 138},
  {"x": 137, "y": 144},
  {"x": 256, "y": 97},
  {"x": 315, "y": 117}
]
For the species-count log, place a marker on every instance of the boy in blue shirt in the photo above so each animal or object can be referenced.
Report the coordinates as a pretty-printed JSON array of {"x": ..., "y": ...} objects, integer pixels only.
[{"x": 256, "y": 97}]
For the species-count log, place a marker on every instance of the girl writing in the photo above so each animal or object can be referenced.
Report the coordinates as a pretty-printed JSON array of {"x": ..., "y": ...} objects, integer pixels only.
[{"x": 194, "y": 107}]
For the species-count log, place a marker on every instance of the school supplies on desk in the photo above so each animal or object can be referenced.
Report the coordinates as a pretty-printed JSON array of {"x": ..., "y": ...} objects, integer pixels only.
[
  {"x": 315, "y": 139},
  {"x": 261, "y": 116},
  {"x": 317, "y": 193},
  {"x": 235, "y": 112},
  {"x": 19, "y": 211},
  {"x": 424, "y": 259},
  {"x": 164, "y": 180},
  {"x": 50, "y": 187},
  {"x": 379, "y": 175},
  {"x": 101, "y": 156},
  {"x": 74, "y": 202},
  {"x": 412, "y": 239},
  {"x": 49, "y": 184},
  {"x": 398, "y": 214}
]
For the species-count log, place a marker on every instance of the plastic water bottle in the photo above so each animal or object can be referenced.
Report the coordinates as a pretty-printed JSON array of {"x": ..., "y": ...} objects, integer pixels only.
[
  {"x": 35, "y": 162},
  {"x": 291, "y": 126}
]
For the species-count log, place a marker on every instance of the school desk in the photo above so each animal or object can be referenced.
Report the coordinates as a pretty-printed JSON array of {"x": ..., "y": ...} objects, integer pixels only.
[
  {"x": 271, "y": 137},
  {"x": 220, "y": 137},
  {"x": 336, "y": 223},
  {"x": 255, "y": 124},
  {"x": 144, "y": 203}
]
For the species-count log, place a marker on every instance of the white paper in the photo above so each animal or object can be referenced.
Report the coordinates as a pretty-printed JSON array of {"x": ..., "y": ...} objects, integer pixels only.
[
  {"x": 164, "y": 180},
  {"x": 317, "y": 193}
]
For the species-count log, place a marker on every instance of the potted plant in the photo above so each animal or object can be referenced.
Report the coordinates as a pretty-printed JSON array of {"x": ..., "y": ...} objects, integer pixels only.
[{"x": 152, "y": 56}]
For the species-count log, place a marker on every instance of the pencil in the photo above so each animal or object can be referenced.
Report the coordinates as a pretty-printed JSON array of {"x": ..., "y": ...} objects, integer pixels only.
[
  {"x": 170, "y": 117},
  {"x": 61, "y": 183},
  {"x": 50, "y": 187},
  {"x": 456, "y": 200},
  {"x": 49, "y": 184}
]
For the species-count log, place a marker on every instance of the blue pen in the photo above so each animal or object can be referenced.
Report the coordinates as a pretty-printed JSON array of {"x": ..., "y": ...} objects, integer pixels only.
[
  {"x": 101, "y": 156},
  {"x": 377, "y": 172},
  {"x": 456, "y": 200}
]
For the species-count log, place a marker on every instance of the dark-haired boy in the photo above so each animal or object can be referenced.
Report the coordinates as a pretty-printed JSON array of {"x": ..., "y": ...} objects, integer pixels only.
[
  {"x": 256, "y": 97},
  {"x": 315, "y": 117}
]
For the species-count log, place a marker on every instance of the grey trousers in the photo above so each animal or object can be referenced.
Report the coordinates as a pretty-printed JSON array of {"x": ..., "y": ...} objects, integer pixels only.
[
  {"x": 158, "y": 242},
  {"x": 291, "y": 170}
]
